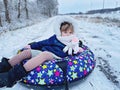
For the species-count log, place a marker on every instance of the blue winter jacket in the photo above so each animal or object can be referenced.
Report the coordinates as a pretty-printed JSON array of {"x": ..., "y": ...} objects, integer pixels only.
[{"x": 52, "y": 44}]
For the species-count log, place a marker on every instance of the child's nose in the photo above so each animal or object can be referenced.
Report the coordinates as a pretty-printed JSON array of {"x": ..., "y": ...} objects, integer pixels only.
[{"x": 68, "y": 34}]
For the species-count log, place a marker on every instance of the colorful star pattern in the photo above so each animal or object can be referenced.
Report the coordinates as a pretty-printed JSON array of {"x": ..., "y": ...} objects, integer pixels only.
[
  {"x": 49, "y": 73},
  {"x": 42, "y": 81},
  {"x": 39, "y": 74},
  {"x": 57, "y": 73},
  {"x": 75, "y": 62},
  {"x": 44, "y": 66},
  {"x": 74, "y": 75},
  {"x": 72, "y": 68}
]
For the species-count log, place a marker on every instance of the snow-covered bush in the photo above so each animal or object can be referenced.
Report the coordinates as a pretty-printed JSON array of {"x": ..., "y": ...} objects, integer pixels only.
[{"x": 25, "y": 12}]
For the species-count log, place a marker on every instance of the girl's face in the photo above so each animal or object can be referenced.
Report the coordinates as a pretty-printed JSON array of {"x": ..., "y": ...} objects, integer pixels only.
[{"x": 67, "y": 32}]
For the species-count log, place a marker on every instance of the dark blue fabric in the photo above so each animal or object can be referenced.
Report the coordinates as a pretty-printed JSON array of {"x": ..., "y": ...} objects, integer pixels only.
[{"x": 52, "y": 44}]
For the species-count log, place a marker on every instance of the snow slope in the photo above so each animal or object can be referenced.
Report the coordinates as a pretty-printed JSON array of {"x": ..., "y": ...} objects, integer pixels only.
[{"x": 104, "y": 41}]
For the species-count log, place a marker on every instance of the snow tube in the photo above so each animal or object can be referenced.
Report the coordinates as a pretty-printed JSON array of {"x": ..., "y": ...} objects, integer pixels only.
[{"x": 49, "y": 73}]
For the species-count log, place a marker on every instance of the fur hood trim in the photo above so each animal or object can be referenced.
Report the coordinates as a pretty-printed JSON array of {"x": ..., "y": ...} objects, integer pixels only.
[{"x": 60, "y": 19}]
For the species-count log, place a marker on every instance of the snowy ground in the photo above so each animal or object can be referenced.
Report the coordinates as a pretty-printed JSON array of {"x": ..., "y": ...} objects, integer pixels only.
[{"x": 103, "y": 38}]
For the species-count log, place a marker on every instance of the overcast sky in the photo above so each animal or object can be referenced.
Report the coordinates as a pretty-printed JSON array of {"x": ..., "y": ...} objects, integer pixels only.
[{"x": 69, "y": 6}]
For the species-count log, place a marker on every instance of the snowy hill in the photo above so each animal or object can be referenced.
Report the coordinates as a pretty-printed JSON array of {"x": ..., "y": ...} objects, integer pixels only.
[{"x": 101, "y": 37}]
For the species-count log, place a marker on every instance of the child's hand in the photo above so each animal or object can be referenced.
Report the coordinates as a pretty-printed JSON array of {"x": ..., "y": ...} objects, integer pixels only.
[
  {"x": 27, "y": 47},
  {"x": 81, "y": 49}
]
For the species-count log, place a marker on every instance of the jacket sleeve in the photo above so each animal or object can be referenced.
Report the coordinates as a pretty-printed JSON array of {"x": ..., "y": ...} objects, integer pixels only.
[{"x": 40, "y": 44}]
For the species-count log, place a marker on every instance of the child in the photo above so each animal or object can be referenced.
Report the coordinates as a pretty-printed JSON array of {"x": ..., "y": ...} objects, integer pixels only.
[{"x": 54, "y": 47}]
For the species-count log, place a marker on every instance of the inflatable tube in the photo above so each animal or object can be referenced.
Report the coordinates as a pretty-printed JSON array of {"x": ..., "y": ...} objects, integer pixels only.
[{"x": 49, "y": 73}]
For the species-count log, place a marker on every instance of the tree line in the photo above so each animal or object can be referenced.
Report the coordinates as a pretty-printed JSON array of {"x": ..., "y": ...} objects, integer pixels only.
[{"x": 16, "y": 9}]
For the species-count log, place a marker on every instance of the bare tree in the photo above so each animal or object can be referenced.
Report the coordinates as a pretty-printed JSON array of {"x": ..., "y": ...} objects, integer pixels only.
[
  {"x": 47, "y": 7},
  {"x": 37, "y": 2},
  {"x": 0, "y": 15},
  {"x": 55, "y": 8},
  {"x": 6, "y": 11},
  {"x": 19, "y": 11},
  {"x": 0, "y": 22},
  {"x": 26, "y": 9},
  {"x": 51, "y": 7}
]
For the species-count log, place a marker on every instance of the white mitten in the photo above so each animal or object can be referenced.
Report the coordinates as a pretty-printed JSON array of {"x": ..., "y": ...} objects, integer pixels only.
[
  {"x": 75, "y": 44},
  {"x": 70, "y": 51},
  {"x": 68, "y": 48},
  {"x": 76, "y": 49},
  {"x": 65, "y": 48},
  {"x": 72, "y": 46}
]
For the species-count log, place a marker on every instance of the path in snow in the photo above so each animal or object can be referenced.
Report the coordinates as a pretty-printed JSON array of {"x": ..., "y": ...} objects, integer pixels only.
[
  {"x": 104, "y": 39},
  {"x": 99, "y": 37}
]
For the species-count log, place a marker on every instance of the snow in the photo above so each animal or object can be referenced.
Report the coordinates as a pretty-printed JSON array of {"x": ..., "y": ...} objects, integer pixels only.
[{"x": 101, "y": 37}]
